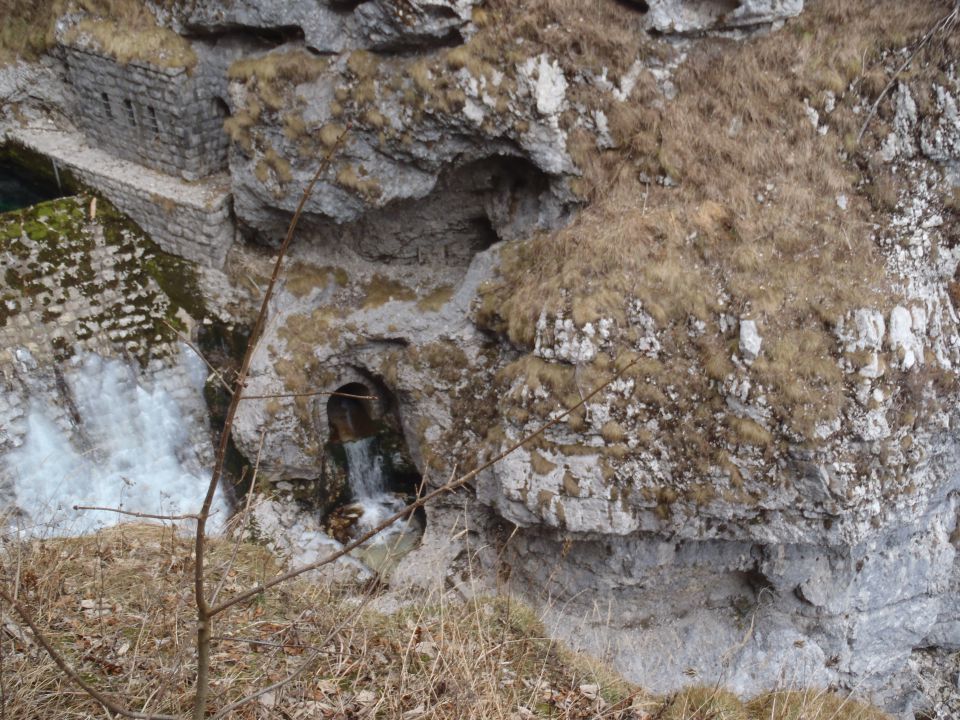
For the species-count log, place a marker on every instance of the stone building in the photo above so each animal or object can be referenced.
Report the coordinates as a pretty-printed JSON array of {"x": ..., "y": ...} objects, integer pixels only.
[{"x": 167, "y": 118}]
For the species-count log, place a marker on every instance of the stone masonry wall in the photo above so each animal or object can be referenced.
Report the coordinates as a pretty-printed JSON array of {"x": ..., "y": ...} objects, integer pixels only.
[
  {"x": 192, "y": 220},
  {"x": 169, "y": 119},
  {"x": 201, "y": 234}
]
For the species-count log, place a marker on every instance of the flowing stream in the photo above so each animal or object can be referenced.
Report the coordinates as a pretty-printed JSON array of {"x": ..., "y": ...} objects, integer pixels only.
[{"x": 368, "y": 486}]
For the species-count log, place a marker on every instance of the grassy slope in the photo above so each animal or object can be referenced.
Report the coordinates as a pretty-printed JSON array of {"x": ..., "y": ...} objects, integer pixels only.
[
  {"x": 751, "y": 226},
  {"x": 118, "y": 605}
]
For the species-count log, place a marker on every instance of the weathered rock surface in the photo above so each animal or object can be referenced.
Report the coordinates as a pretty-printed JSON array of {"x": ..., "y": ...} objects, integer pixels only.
[
  {"x": 683, "y": 16},
  {"x": 815, "y": 565},
  {"x": 789, "y": 515},
  {"x": 332, "y": 26}
]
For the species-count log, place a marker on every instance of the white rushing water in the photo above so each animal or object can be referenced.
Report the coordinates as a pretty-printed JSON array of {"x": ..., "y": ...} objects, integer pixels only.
[
  {"x": 111, "y": 435},
  {"x": 369, "y": 486}
]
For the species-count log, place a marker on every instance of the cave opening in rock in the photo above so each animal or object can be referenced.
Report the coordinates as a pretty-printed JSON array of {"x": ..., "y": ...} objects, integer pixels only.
[
  {"x": 350, "y": 413},
  {"x": 368, "y": 462}
]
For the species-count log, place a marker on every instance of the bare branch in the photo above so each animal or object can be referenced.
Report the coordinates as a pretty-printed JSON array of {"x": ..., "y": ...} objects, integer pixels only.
[
  {"x": 186, "y": 341},
  {"x": 204, "y": 616},
  {"x": 446, "y": 488},
  {"x": 109, "y": 703},
  {"x": 246, "y": 520},
  {"x": 151, "y": 516}
]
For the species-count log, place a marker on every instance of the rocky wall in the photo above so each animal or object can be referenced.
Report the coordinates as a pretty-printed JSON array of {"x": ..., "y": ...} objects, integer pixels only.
[
  {"x": 331, "y": 26},
  {"x": 168, "y": 119}
]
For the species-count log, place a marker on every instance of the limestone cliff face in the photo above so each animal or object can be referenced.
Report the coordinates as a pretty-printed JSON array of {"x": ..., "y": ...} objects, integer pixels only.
[
  {"x": 753, "y": 234},
  {"x": 771, "y": 486}
]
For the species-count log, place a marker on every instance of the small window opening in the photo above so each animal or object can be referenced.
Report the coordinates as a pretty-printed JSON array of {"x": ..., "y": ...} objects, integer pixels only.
[
  {"x": 131, "y": 113},
  {"x": 152, "y": 121},
  {"x": 106, "y": 105}
]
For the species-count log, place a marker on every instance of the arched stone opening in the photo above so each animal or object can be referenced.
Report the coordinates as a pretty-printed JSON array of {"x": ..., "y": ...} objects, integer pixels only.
[{"x": 367, "y": 462}]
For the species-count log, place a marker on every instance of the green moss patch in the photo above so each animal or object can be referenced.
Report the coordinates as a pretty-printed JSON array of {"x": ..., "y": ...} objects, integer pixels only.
[{"x": 90, "y": 281}]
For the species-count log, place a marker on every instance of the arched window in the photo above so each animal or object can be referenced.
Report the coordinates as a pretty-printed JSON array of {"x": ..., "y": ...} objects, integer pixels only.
[{"x": 107, "y": 109}]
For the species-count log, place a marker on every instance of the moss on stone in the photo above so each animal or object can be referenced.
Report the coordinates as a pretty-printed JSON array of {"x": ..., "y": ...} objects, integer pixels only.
[{"x": 125, "y": 289}]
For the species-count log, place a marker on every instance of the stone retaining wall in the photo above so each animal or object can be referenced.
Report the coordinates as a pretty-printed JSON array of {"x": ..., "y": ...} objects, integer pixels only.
[
  {"x": 192, "y": 220},
  {"x": 201, "y": 234}
]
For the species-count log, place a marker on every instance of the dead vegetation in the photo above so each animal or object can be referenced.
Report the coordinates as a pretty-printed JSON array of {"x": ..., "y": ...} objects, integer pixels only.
[
  {"x": 118, "y": 603},
  {"x": 125, "y": 29},
  {"x": 269, "y": 81},
  {"x": 723, "y": 201},
  {"x": 137, "y": 39}
]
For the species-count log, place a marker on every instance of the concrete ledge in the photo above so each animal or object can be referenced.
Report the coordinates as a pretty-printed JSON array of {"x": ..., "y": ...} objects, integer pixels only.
[{"x": 191, "y": 219}]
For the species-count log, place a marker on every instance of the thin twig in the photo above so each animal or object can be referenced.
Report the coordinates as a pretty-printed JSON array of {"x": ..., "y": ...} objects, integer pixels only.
[
  {"x": 204, "y": 616},
  {"x": 446, "y": 488},
  {"x": 150, "y": 516},
  {"x": 943, "y": 23},
  {"x": 267, "y": 643},
  {"x": 109, "y": 703}
]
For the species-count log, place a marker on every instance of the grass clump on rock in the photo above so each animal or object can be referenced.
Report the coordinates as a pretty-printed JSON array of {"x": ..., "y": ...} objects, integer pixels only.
[
  {"x": 717, "y": 204},
  {"x": 138, "y": 41}
]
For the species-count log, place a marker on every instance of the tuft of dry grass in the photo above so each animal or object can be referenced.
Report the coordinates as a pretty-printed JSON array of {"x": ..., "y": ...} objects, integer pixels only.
[
  {"x": 118, "y": 605},
  {"x": 135, "y": 38},
  {"x": 802, "y": 704},
  {"x": 435, "y": 299},
  {"x": 271, "y": 75},
  {"x": 356, "y": 179},
  {"x": 28, "y": 30},
  {"x": 381, "y": 290}
]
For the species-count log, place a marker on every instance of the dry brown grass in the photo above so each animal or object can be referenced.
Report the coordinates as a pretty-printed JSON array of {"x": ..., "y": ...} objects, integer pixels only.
[
  {"x": 750, "y": 226},
  {"x": 118, "y": 605},
  {"x": 270, "y": 80},
  {"x": 28, "y": 30},
  {"x": 435, "y": 299},
  {"x": 381, "y": 290},
  {"x": 133, "y": 38},
  {"x": 269, "y": 76}
]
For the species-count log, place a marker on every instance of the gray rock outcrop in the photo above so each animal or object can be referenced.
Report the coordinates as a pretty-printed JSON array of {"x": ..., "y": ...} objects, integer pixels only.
[{"x": 509, "y": 213}]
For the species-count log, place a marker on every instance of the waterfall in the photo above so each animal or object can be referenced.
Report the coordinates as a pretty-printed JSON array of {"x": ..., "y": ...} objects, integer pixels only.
[
  {"x": 365, "y": 469},
  {"x": 369, "y": 486},
  {"x": 105, "y": 433}
]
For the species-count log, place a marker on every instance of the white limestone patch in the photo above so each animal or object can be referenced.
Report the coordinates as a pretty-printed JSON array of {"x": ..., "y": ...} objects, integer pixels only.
[{"x": 750, "y": 341}]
